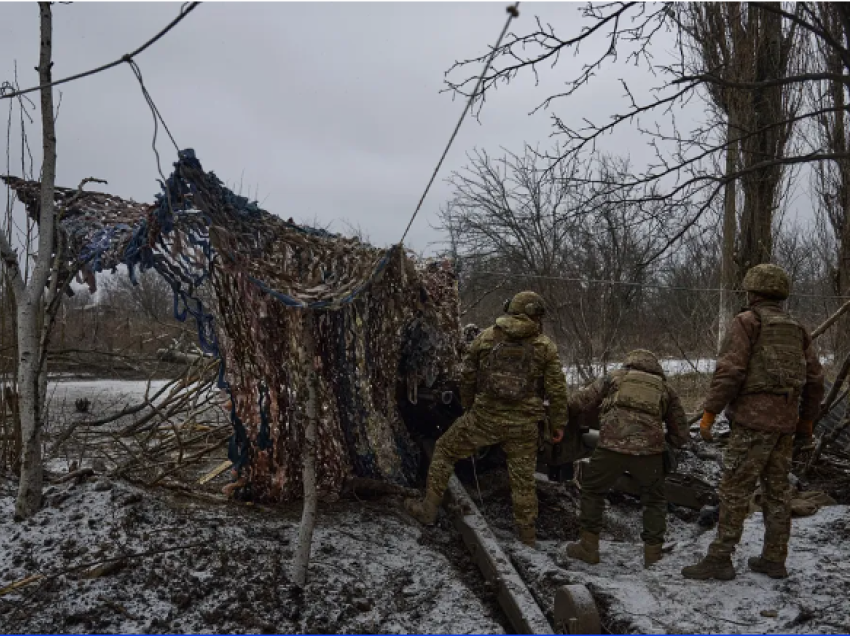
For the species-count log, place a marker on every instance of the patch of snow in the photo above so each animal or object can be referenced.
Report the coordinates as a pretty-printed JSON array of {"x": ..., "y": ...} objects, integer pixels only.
[
  {"x": 659, "y": 600},
  {"x": 369, "y": 571},
  {"x": 671, "y": 366}
]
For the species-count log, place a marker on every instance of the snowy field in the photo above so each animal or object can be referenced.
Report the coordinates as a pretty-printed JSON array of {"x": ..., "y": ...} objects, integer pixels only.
[{"x": 671, "y": 366}]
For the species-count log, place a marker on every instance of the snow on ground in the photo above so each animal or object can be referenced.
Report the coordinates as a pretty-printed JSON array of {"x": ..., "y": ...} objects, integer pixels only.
[
  {"x": 671, "y": 366},
  {"x": 103, "y": 394},
  {"x": 372, "y": 569},
  {"x": 106, "y": 398},
  {"x": 659, "y": 600}
]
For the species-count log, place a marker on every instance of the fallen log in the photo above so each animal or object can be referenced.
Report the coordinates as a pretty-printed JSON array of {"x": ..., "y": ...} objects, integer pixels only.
[
  {"x": 170, "y": 355},
  {"x": 77, "y": 474},
  {"x": 514, "y": 597}
]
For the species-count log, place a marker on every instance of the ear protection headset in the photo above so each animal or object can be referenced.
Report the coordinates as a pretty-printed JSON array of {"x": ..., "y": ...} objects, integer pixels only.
[{"x": 531, "y": 309}]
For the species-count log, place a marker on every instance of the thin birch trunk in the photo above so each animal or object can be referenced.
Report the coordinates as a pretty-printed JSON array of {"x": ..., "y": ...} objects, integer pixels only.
[
  {"x": 308, "y": 518},
  {"x": 730, "y": 224},
  {"x": 29, "y": 301}
]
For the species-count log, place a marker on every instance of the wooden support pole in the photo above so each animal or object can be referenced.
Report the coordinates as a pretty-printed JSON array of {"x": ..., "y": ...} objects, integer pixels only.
[
  {"x": 826, "y": 405},
  {"x": 308, "y": 517},
  {"x": 831, "y": 320}
]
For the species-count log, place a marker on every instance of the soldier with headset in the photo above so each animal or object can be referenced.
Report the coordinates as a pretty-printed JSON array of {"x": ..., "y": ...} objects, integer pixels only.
[{"x": 509, "y": 370}]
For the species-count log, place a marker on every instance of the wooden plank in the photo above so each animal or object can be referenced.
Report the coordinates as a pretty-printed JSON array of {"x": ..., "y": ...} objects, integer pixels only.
[{"x": 215, "y": 472}]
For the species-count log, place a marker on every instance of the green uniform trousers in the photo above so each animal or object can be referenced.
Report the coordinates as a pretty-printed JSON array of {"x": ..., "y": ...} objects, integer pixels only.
[
  {"x": 472, "y": 431},
  {"x": 606, "y": 466},
  {"x": 749, "y": 457}
]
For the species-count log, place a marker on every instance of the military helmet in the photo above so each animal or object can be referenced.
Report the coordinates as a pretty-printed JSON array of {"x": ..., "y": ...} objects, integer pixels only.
[
  {"x": 526, "y": 302},
  {"x": 471, "y": 332},
  {"x": 768, "y": 280},
  {"x": 643, "y": 360}
]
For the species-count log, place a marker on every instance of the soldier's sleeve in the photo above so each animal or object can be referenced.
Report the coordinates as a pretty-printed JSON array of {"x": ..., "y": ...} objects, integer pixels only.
[
  {"x": 676, "y": 420},
  {"x": 555, "y": 388},
  {"x": 590, "y": 396},
  {"x": 731, "y": 369},
  {"x": 813, "y": 389},
  {"x": 469, "y": 375}
]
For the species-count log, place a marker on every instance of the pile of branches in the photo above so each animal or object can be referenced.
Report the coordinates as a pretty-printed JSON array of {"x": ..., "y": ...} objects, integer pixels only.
[{"x": 168, "y": 436}]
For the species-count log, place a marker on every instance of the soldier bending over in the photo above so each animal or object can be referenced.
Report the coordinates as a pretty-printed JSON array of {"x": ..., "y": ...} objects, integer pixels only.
[{"x": 635, "y": 403}]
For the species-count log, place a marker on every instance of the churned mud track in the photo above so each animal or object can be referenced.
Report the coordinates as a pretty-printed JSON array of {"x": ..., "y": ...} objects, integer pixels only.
[{"x": 203, "y": 567}]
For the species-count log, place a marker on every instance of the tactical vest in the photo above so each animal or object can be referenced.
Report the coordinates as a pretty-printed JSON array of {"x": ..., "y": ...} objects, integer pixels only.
[
  {"x": 639, "y": 391},
  {"x": 777, "y": 363},
  {"x": 508, "y": 370}
]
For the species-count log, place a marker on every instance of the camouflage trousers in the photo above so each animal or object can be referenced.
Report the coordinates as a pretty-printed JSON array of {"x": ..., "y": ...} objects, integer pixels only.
[
  {"x": 606, "y": 467},
  {"x": 472, "y": 431},
  {"x": 750, "y": 456}
]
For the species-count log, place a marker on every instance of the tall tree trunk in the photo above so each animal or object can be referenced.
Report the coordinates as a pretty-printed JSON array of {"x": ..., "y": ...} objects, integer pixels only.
[
  {"x": 762, "y": 111},
  {"x": 30, "y": 301},
  {"x": 839, "y": 144},
  {"x": 730, "y": 226},
  {"x": 842, "y": 336}
]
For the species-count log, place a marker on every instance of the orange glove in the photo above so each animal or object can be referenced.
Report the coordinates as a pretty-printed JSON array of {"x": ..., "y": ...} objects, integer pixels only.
[
  {"x": 805, "y": 427},
  {"x": 557, "y": 436},
  {"x": 705, "y": 425}
]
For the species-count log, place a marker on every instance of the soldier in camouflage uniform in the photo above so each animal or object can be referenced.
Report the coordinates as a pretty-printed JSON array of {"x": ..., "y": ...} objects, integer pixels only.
[
  {"x": 635, "y": 403},
  {"x": 769, "y": 380},
  {"x": 509, "y": 369}
]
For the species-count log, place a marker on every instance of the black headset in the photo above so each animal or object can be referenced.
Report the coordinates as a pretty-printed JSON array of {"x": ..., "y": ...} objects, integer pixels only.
[{"x": 532, "y": 309}]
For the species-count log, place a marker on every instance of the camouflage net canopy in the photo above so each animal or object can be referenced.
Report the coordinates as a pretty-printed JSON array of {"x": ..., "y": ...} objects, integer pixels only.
[{"x": 383, "y": 323}]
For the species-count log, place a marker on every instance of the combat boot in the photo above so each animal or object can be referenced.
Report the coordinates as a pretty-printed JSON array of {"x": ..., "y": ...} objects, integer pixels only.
[
  {"x": 773, "y": 569},
  {"x": 711, "y": 567},
  {"x": 585, "y": 549},
  {"x": 651, "y": 553},
  {"x": 425, "y": 511},
  {"x": 528, "y": 535}
]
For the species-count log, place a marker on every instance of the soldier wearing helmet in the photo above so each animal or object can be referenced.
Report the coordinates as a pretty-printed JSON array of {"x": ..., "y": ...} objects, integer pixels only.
[
  {"x": 770, "y": 383},
  {"x": 508, "y": 371},
  {"x": 635, "y": 404}
]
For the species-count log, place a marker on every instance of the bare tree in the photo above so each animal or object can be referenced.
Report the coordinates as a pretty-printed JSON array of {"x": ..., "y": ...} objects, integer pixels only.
[
  {"x": 513, "y": 224},
  {"x": 29, "y": 292},
  {"x": 831, "y": 181},
  {"x": 743, "y": 42},
  {"x": 681, "y": 179}
]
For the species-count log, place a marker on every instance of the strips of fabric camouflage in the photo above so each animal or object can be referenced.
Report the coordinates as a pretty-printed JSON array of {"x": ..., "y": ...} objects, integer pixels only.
[{"x": 383, "y": 316}]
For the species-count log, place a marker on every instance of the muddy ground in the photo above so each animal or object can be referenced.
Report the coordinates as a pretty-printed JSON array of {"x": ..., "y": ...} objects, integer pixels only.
[
  {"x": 203, "y": 567},
  {"x": 117, "y": 558}
]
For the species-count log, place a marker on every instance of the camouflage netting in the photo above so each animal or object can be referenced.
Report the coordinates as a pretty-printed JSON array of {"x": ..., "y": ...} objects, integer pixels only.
[{"x": 384, "y": 322}]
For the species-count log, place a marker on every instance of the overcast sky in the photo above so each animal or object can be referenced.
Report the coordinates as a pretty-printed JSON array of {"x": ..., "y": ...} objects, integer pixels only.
[{"x": 329, "y": 110}]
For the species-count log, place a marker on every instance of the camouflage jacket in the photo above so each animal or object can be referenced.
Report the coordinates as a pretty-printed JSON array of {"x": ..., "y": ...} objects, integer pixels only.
[
  {"x": 760, "y": 411},
  {"x": 547, "y": 375},
  {"x": 631, "y": 432}
]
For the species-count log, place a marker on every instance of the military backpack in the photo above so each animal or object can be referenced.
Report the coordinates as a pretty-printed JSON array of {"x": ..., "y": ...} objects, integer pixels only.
[
  {"x": 639, "y": 391},
  {"x": 508, "y": 370},
  {"x": 777, "y": 364}
]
